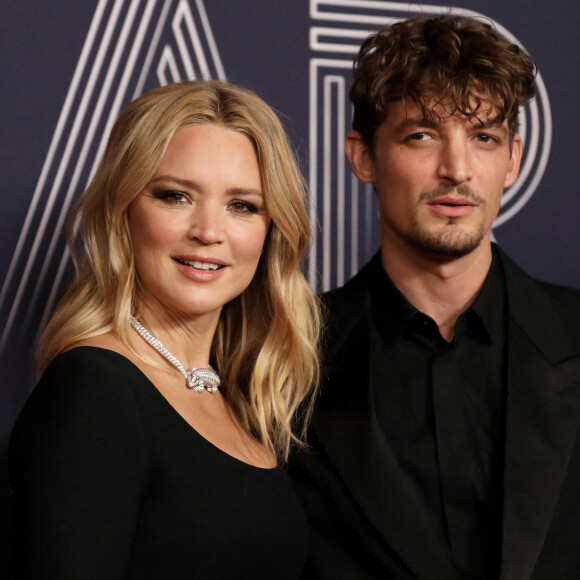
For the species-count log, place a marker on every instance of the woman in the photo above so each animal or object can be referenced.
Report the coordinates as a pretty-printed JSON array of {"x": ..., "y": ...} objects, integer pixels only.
[{"x": 187, "y": 248}]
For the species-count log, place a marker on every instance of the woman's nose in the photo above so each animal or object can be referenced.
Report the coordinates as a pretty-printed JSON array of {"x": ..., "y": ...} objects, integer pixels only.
[{"x": 207, "y": 224}]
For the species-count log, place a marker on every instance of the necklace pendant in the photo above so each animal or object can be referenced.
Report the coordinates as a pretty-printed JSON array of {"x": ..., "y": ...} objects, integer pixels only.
[
  {"x": 200, "y": 379},
  {"x": 195, "y": 383}
]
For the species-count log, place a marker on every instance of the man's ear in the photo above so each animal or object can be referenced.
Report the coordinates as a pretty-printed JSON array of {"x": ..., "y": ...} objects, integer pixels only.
[
  {"x": 515, "y": 160},
  {"x": 360, "y": 157}
]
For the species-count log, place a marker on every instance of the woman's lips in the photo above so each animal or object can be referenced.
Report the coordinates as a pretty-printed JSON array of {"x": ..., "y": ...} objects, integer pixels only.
[
  {"x": 200, "y": 265},
  {"x": 200, "y": 270}
]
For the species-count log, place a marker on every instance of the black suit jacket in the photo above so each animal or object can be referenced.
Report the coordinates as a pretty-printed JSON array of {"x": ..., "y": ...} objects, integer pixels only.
[{"x": 366, "y": 521}]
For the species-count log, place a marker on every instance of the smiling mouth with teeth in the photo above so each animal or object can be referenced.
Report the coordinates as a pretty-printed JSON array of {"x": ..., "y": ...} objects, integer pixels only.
[{"x": 200, "y": 265}]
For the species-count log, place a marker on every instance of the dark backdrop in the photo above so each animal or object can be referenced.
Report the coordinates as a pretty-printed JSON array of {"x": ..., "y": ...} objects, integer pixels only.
[{"x": 68, "y": 66}]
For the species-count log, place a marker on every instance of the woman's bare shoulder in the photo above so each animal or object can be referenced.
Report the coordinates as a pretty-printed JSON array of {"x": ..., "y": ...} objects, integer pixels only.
[{"x": 107, "y": 341}]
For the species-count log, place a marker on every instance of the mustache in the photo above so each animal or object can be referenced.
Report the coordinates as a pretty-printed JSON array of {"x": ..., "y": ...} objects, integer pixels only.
[{"x": 461, "y": 190}]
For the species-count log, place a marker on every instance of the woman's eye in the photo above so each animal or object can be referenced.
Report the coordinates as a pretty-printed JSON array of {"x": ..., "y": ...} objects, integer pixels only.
[
  {"x": 171, "y": 197},
  {"x": 241, "y": 206}
]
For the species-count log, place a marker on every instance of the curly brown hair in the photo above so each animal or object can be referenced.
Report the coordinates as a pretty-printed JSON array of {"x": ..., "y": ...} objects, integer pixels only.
[{"x": 449, "y": 59}]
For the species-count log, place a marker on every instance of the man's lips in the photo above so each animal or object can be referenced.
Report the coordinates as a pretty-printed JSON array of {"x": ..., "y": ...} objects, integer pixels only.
[{"x": 452, "y": 207}]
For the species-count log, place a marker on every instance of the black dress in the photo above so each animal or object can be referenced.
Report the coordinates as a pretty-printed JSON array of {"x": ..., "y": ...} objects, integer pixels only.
[{"x": 111, "y": 482}]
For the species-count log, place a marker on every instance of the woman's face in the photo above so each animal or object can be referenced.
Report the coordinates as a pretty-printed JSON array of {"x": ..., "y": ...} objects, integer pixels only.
[{"x": 199, "y": 226}]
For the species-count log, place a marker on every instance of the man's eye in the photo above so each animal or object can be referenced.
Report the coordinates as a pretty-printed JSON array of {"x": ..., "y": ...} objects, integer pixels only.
[
  {"x": 486, "y": 138},
  {"x": 420, "y": 136}
]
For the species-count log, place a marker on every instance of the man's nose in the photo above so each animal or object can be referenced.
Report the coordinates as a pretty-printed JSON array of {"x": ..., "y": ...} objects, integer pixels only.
[{"x": 455, "y": 160}]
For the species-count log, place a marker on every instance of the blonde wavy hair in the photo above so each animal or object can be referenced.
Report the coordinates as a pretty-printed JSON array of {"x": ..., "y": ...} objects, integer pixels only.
[{"x": 265, "y": 346}]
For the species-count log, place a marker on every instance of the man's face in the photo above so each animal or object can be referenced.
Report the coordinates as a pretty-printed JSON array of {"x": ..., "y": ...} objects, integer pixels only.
[{"x": 439, "y": 182}]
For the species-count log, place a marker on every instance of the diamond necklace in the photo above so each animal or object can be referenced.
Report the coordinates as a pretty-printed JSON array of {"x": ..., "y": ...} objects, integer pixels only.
[{"x": 197, "y": 379}]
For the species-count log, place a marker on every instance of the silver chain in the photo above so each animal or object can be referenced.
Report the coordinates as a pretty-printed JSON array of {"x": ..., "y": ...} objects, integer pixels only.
[{"x": 197, "y": 379}]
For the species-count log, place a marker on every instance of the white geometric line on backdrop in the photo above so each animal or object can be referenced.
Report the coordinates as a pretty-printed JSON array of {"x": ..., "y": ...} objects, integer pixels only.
[{"x": 129, "y": 47}]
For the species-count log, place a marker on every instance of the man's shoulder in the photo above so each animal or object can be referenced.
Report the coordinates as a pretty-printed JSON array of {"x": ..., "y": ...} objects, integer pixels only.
[
  {"x": 565, "y": 302},
  {"x": 566, "y": 296},
  {"x": 549, "y": 313},
  {"x": 525, "y": 286},
  {"x": 344, "y": 307},
  {"x": 354, "y": 293},
  {"x": 352, "y": 299}
]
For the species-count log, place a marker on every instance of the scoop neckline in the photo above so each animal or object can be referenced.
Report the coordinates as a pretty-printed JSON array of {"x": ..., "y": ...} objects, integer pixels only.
[{"x": 174, "y": 411}]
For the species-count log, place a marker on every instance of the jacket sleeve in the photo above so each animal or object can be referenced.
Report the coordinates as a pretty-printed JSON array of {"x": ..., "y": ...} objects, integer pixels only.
[{"x": 78, "y": 468}]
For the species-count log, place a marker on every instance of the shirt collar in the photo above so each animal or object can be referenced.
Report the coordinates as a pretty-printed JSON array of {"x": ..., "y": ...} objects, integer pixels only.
[
  {"x": 485, "y": 316},
  {"x": 488, "y": 307},
  {"x": 390, "y": 320}
]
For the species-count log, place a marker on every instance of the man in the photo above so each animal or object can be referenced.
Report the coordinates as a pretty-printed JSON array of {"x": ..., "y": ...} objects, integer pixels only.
[{"x": 445, "y": 441}]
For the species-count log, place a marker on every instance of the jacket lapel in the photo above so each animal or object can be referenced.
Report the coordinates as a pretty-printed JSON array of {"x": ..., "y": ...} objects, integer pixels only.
[
  {"x": 543, "y": 413},
  {"x": 346, "y": 426}
]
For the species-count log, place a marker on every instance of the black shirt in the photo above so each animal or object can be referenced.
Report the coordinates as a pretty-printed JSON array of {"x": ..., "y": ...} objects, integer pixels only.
[{"x": 441, "y": 407}]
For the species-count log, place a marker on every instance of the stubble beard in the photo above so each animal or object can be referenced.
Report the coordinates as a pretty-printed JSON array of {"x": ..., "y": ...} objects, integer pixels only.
[{"x": 452, "y": 240}]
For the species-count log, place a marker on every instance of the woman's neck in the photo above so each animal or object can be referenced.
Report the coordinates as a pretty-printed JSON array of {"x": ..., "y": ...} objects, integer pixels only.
[{"x": 187, "y": 338}]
